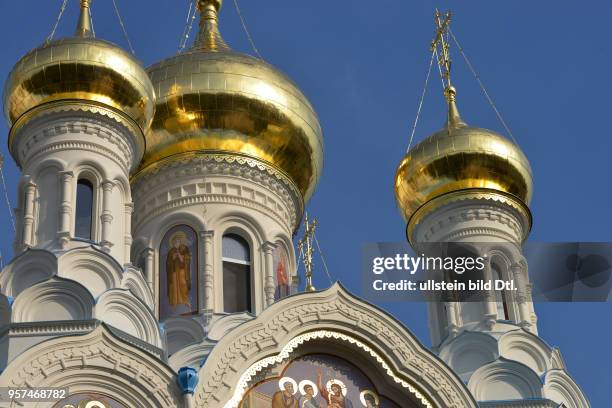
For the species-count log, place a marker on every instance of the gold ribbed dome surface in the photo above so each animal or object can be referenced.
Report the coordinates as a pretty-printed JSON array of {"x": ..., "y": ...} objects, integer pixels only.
[
  {"x": 211, "y": 99},
  {"x": 76, "y": 70},
  {"x": 461, "y": 158}
]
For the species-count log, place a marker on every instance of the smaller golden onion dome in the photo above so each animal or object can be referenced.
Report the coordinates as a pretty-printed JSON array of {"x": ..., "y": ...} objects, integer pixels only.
[
  {"x": 212, "y": 100},
  {"x": 81, "y": 71},
  {"x": 460, "y": 160}
]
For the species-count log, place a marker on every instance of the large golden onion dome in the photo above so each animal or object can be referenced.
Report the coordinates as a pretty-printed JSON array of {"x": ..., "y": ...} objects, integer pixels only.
[
  {"x": 81, "y": 71},
  {"x": 211, "y": 99},
  {"x": 458, "y": 162}
]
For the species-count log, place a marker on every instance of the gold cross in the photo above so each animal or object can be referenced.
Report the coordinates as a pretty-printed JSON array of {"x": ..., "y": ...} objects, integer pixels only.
[
  {"x": 441, "y": 39},
  {"x": 307, "y": 250}
]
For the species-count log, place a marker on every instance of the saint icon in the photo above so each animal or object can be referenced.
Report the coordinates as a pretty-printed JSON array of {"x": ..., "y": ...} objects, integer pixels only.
[
  {"x": 285, "y": 398},
  {"x": 309, "y": 391},
  {"x": 178, "y": 269},
  {"x": 369, "y": 399},
  {"x": 334, "y": 392}
]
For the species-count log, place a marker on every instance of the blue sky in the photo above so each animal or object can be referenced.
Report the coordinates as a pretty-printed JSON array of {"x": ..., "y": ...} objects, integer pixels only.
[{"x": 362, "y": 64}]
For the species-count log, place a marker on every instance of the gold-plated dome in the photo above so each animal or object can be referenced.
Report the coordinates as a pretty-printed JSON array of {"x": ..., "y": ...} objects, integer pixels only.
[
  {"x": 460, "y": 159},
  {"x": 80, "y": 70},
  {"x": 211, "y": 99}
]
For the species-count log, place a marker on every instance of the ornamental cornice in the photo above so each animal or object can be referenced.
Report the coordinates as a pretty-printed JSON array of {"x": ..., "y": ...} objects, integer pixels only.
[
  {"x": 213, "y": 199},
  {"x": 219, "y": 164},
  {"x": 447, "y": 217},
  {"x": 73, "y": 146},
  {"x": 517, "y": 214},
  {"x": 128, "y": 140}
]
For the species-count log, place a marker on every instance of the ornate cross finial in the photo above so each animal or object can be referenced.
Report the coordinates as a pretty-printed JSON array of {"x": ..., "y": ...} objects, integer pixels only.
[
  {"x": 306, "y": 249},
  {"x": 84, "y": 25},
  {"x": 441, "y": 41}
]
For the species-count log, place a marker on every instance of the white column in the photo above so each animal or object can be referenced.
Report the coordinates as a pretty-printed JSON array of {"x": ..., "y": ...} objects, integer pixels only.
[
  {"x": 490, "y": 317},
  {"x": 268, "y": 248},
  {"x": 65, "y": 208},
  {"x": 127, "y": 237},
  {"x": 451, "y": 316},
  {"x": 524, "y": 318},
  {"x": 207, "y": 287},
  {"x": 107, "y": 216},
  {"x": 149, "y": 267},
  {"x": 28, "y": 214}
]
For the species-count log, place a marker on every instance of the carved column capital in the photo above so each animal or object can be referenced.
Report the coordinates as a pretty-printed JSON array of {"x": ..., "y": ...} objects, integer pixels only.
[
  {"x": 66, "y": 175},
  {"x": 268, "y": 247}
]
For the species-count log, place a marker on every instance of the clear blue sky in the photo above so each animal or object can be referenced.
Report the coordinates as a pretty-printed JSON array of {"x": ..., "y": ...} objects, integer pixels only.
[{"x": 362, "y": 64}]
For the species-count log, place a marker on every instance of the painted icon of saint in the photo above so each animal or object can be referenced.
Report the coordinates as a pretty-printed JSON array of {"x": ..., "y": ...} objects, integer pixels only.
[
  {"x": 309, "y": 392},
  {"x": 285, "y": 398},
  {"x": 369, "y": 399},
  {"x": 282, "y": 279},
  {"x": 178, "y": 270},
  {"x": 334, "y": 392}
]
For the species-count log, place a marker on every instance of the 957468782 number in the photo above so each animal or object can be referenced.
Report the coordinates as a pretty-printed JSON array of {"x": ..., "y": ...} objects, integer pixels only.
[{"x": 9, "y": 394}]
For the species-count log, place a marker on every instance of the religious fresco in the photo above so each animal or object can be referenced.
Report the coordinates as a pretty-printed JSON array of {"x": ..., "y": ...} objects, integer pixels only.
[
  {"x": 317, "y": 381},
  {"x": 88, "y": 401},
  {"x": 282, "y": 275},
  {"x": 178, "y": 272}
]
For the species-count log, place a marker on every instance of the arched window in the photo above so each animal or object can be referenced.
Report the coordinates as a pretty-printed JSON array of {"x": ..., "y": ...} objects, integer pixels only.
[
  {"x": 500, "y": 296},
  {"x": 84, "y": 209},
  {"x": 178, "y": 272},
  {"x": 236, "y": 274}
]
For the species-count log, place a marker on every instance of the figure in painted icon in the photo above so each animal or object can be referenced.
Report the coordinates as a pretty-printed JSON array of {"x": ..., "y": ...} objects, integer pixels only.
[
  {"x": 178, "y": 268},
  {"x": 309, "y": 390},
  {"x": 369, "y": 399},
  {"x": 285, "y": 398},
  {"x": 334, "y": 392}
]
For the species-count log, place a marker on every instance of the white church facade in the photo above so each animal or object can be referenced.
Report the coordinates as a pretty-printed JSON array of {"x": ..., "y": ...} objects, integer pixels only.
[{"x": 154, "y": 260}]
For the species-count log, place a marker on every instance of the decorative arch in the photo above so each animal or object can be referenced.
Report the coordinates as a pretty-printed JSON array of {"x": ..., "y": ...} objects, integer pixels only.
[
  {"x": 561, "y": 388},
  {"x": 182, "y": 331},
  {"x": 54, "y": 299},
  {"x": 469, "y": 351},
  {"x": 100, "y": 363},
  {"x": 505, "y": 380},
  {"x": 27, "y": 269},
  {"x": 120, "y": 309},
  {"x": 98, "y": 271},
  {"x": 336, "y": 320},
  {"x": 527, "y": 348}
]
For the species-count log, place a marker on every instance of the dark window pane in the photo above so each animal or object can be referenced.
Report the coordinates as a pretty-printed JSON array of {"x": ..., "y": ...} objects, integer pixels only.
[
  {"x": 236, "y": 248},
  {"x": 236, "y": 287},
  {"x": 84, "y": 207}
]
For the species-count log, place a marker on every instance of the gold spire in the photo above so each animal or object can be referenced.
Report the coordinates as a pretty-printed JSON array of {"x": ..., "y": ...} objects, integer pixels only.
[
  {"x": 84, "y": 25},
  {"x": 209, "y": 38},
  {"x": 444, "y": 60},
  {"x": 306, "y": 249}
]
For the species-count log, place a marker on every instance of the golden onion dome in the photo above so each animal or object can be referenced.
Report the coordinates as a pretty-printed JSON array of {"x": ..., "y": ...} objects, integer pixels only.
[
  {"x": 460, "y": 161},
  {"x": 211, "y": 99},
  {"x": 80, "y": 70}
]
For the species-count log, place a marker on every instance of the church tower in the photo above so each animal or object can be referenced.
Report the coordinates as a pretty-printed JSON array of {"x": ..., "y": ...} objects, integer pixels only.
[
  {"x": 77, "y": 108},
  {"x": 234, "y": 151},
  {"x": 472, "y": 186}
]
